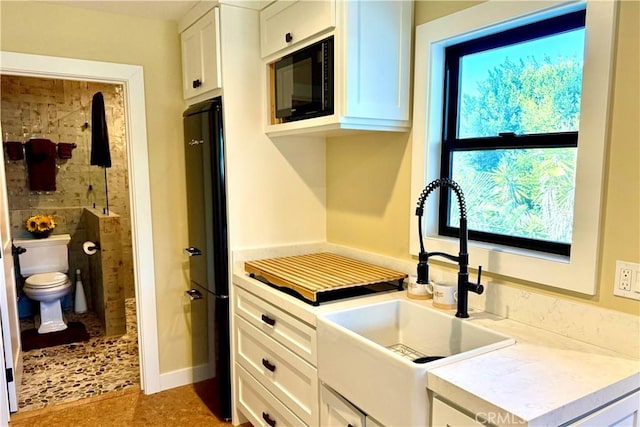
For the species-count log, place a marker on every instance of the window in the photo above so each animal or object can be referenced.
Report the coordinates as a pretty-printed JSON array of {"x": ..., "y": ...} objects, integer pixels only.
[
  {"x": 576, "y": 270},
  {"x": 510, "y": 133}
]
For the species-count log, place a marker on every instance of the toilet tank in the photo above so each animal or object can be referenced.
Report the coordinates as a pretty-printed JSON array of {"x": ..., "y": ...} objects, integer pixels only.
[{"x": 44, "y": 255}]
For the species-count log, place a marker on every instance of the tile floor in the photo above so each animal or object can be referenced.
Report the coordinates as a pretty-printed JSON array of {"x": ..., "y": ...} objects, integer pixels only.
[{"x": 69, "y": 372}]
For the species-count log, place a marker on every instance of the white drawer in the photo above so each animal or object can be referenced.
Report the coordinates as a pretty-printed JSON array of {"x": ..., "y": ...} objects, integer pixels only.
[
  {"x": 259, "y": 406},
  {"x": 292, "y": 380},
  {"x": 294, "y": 334},
  {"x": 445, "y": 415},
  {"x": 337, "y": 411},
  {"x": 301, "y": 19}
]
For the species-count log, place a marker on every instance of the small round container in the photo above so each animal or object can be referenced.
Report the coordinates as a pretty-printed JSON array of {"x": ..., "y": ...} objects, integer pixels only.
[{"x": 417, "y": 290}]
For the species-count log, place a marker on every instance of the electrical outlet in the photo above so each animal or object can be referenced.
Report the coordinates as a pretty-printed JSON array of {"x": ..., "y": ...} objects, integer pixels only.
[
  {"x": 625, "y": 279},
  {"x": 627, "y": 282}
]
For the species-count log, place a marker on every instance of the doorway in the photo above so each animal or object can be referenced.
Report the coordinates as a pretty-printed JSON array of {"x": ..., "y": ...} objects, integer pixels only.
[
  {"x": 98, "y": 351},
  {"x": 131, "y": 79}
]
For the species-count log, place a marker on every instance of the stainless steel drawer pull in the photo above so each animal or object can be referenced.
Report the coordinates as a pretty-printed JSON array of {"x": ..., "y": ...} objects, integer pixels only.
[
  {"x": 268, "y": 365},
  {"x": 269, "y": 321},
  {"x": 268, "y": 419}
]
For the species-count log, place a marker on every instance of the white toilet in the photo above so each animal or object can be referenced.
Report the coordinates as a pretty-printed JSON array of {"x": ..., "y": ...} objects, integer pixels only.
[{"x": 44, "y": 264}]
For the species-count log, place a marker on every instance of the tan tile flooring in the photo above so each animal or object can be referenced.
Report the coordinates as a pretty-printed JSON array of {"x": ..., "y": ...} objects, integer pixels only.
[{"x": 181, "y": 406}]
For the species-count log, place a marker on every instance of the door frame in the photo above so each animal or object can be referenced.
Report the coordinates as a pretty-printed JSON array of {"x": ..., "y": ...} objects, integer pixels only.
[{"x": 132, "y": 79}]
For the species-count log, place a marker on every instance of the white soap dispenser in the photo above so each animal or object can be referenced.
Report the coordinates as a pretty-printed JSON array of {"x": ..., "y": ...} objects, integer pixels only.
[{"x": 81, "y": 301}]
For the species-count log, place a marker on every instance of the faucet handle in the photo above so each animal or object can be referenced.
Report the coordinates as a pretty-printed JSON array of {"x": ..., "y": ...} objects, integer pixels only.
[{"x": 477, "y": 287}]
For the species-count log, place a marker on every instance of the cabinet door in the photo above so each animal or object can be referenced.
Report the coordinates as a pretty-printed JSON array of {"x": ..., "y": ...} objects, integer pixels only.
[
  {"x": 201, "y": 55},
  {"x": 377, "y": 59},
  {"x": 445, "y": 415},
  {"x": 336, "y": 411},
  {"x": 623, "y": 413},
  {"x": 286, "y": 23}
]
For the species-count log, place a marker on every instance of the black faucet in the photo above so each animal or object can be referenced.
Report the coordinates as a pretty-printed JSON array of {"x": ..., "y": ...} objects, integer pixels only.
[{"x": 464, "y": 286}]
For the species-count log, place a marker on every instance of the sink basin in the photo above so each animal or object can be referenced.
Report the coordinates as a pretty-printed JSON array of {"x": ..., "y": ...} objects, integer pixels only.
[{"x": 367, "y": 355}]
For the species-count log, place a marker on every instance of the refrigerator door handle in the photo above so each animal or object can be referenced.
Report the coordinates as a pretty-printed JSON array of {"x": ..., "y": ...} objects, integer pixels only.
[
  {"x": 193, "y": 294},
  {"x": 191, "y": 251}
]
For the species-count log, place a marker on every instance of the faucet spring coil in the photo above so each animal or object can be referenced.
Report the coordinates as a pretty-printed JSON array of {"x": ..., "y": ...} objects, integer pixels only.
[{"x": 443, "y": 182}]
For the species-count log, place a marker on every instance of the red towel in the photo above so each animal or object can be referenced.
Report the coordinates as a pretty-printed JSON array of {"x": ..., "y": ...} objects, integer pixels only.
[
  {"x": 14, "y": 150},
  {"x": 41, "y": 164},
  {"x": 39, "y": 147},
  {"x": 64, "y": 149}
]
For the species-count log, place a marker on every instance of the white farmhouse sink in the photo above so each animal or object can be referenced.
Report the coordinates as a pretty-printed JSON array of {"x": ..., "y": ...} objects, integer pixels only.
[{"x": 356, "y": 355}]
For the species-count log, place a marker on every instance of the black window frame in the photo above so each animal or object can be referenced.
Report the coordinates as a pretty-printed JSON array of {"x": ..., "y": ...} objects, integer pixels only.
[{"x": 451, "y": 143}]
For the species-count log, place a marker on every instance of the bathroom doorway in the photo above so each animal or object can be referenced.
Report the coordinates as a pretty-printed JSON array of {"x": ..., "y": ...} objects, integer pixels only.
[
  {"x": 81, "y": 362},
  {"x": 131, "y": 79}
]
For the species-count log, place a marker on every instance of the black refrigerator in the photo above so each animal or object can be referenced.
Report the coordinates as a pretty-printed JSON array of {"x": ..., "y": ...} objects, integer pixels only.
[{"x": 207, "y": 248}]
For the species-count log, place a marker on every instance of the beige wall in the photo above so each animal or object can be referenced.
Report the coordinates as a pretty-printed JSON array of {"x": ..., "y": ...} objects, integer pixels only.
[
  {"x": 368, "y": 176},
  {"x": 57, "y": 30}
]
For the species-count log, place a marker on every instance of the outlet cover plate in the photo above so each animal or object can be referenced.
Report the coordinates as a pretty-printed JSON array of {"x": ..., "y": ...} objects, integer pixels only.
[{"x": 627, "y": 282}]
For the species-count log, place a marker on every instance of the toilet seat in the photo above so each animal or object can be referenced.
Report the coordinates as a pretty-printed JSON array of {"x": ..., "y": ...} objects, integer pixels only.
[{"x": 46, "y": 280}]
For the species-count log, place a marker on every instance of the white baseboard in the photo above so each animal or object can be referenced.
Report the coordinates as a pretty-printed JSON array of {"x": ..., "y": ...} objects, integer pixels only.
[{"x": 185, "y": 376}]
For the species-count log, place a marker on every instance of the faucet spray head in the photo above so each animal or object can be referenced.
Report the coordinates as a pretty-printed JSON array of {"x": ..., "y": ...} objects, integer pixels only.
[{"x": 423, "y": 269}]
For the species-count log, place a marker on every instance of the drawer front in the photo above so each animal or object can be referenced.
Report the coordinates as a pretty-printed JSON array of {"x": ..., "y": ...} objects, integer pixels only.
[
  {"x": 445, "y": 415},
  {"x": 261, "y": 407},
  {"x": 300, "y": 19},
  {"x": 297, "y": 336},
  {"x": 337, "y": 411},
  {"x": 623, "y": 413},
  {"x": 293, "y": 381}
]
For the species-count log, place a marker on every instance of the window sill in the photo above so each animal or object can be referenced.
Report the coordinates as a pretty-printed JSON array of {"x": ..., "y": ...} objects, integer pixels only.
[{"x": 548, "y": 269}]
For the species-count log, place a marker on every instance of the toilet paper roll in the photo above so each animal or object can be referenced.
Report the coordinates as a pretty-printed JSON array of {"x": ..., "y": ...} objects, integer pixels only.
[{"x": 89, "y": 247}]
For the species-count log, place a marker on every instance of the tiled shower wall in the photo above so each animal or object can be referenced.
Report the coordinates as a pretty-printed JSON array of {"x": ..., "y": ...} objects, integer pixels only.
[
  {"x": 106, "y": 270},
  {"x": 60, "y": 110}
]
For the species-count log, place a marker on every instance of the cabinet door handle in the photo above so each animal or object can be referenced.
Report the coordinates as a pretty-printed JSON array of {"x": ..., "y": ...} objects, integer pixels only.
[
  {"x": 268, "y": 419},
  {"x": 288, "y": 37},
  {"x": 268, "y": 320},
  {"x": 268, "y": 365},
  {"x": 196, "y": 83}
]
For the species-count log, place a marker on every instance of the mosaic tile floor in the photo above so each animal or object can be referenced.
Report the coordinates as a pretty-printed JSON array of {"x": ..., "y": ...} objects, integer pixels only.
[{"x": 69, "y": 372}]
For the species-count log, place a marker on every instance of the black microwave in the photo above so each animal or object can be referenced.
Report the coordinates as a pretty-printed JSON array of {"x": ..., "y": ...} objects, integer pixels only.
[{"x": 303, "y": 82}]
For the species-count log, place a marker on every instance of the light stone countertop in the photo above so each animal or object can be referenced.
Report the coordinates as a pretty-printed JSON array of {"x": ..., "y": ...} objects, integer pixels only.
[{"x": 544, "y": 379}]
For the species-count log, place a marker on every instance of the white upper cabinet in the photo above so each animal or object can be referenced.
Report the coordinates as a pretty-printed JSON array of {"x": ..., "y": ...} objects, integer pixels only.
[
  {"x": 201, "y": 55},
  {"x": 376, "y": 59},
  {"x": 371, "y": 64},
  {"x": 286, "y": 23}
]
